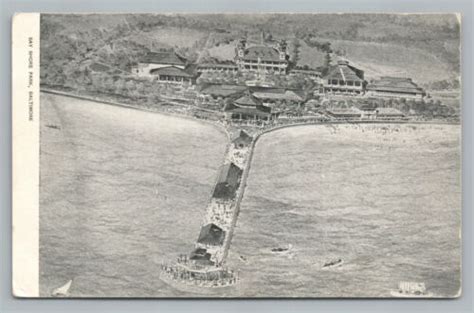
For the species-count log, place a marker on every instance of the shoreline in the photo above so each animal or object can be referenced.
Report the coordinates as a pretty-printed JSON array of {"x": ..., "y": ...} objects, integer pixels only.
[
  {"x": 218, "y": 126},
  {"x": 222, "y": 127}
]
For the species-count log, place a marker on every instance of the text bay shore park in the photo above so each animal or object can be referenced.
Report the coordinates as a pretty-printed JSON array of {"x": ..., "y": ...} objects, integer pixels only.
[{"x": 249, "y": 82}]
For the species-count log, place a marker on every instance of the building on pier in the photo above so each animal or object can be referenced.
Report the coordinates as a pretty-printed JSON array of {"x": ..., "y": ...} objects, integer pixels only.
[
  {"x": 201, "y": 256},
  {"x": 242, "y": 140},
  {"x": 228, "y": 182},
  {"x": 211, "y": 235},
  {"x": 344, "y": 79}
]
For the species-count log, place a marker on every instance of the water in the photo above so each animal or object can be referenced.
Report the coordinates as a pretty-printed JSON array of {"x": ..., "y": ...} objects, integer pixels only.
[
  {"x": 122, "y": 190},
  {"x": 388, "y": 202}
]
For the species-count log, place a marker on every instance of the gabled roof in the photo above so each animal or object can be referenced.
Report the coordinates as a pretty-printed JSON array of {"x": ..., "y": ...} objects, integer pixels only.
[
  {"x": 248, "y": 104},
  {"x": 229, "y": 174},
  {"x": 168, "y": 57},
  {"x": 247, "y": 101},
  {"x": 243, "y": 138},
  {"x": 211, "y": 234},
  {"x": 263, "y": 52},
  {"x": 227, "y": 182},
  {"x": 395, "y": 84},
  {"x": 200, "y": 254},
  {"x": 344, "y": 71},
  {"x": 170, "y": 71}
]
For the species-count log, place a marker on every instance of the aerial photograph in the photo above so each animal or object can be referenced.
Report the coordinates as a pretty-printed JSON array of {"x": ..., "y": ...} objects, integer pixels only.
[{"x": 250, "y": 155}]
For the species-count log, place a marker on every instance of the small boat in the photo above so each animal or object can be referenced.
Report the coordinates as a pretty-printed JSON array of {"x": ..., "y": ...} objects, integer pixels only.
[
  {"x": 53, "y": 126},
  {"x": 281, "y": 250},
  {"x": 62, "y": 291},
  {"x": 333, "y": 263},
  {"x": 411, "y": 290}
]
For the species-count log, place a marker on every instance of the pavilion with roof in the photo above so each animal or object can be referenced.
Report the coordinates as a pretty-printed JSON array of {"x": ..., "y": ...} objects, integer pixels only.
[
  {"x": 344, "y": 79},
  {"x": 248, "y": 107}
]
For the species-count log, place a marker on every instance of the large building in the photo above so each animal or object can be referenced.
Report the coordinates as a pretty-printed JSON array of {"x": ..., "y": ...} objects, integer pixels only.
[
  {"x": 399, "y": 87},
  {"x": 344, "y": 79},
  {"x": 262, "y": 59},
  {"x": 271, "y": 96},
  {"x": 171, "y": 74},
  {"x": 217, "y": 67},
  {"x": 155, "y": 60},
  {"x": 247, "y": 108}
]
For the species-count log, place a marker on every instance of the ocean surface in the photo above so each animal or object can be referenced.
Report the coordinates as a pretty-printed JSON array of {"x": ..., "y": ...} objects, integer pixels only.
[
  {"x": 122, "y": 190},
  {"x": 384, "y": 199}
]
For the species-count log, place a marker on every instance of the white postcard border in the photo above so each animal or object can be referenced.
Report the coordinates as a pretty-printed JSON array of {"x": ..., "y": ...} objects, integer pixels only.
[{"x": 25, "y": 154}]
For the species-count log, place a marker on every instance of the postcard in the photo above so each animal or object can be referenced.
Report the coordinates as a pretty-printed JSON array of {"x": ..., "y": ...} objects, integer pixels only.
[{"x": 235, "y": 155}]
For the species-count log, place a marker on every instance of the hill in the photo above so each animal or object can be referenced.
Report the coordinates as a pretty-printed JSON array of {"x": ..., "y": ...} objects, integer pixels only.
[
  {"x": 425, "y": 47},
  {"x": 385, "y": 59}
]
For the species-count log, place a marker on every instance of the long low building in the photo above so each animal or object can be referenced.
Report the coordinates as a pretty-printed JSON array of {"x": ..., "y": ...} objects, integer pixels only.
[
  {"x": 388, "y": 113},
  {"x": 354, "y": 113},
  {"x": 345, "y": 113},
  {"x": 269, "y": 96},
  {"x": 398, "y": 87},
  {"x": 172, "y": 74},
  {"x": 216, "y": 67}
]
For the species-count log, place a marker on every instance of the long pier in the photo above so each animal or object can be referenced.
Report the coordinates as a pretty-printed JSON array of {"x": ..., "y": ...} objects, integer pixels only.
[
  {"x": 224, "y": 203},
  {"x": 204, "y": 266}
]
